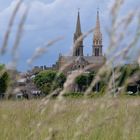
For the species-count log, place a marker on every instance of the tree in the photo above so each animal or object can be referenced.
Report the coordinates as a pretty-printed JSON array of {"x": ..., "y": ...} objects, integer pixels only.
[
  {"x": 59, "y": 81},
  {"x": 3, "y": 80},
  {"x": 91, "y": 76},
  {"x": 44, "y": 77},
  {"x": 82, "y": 82},
  {"x": 49, "y": 80}
]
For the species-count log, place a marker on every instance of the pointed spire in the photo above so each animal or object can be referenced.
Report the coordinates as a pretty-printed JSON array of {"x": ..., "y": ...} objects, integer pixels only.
[
  {"x": 78, "y": 25},
  {"x": 98, "y": 22},
  {"x": 97, "y": 39},
  {"x": 78, "y": 44},
  {"x": 97, "y": 32}
]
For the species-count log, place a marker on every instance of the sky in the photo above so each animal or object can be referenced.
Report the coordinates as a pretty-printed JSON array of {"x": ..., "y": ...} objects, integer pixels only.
[{"x": 50, "y": 19}]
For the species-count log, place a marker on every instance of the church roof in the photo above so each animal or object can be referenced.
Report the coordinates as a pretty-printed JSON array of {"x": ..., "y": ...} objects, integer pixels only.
[
  {"x": 80, "y": 59},
  {"x": 89, "y": 59}
]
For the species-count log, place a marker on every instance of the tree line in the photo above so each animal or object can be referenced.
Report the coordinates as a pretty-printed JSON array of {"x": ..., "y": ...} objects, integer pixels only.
[{"x": 49, "y": 80}]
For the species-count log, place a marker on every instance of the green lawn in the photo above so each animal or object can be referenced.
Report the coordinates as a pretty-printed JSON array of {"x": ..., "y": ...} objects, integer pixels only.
[{"x": 71, "y": 119}]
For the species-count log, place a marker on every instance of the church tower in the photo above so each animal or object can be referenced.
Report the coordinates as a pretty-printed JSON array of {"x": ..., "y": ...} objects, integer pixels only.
[
  {"x": 78, "y": 45},
  {"x": 97, "y": 41}
]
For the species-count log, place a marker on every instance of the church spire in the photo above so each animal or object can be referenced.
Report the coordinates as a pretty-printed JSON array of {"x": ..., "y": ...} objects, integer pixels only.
[
  {"x": 97, "y": 41},
  {"x": 78, "y": 47},
  {"x": 97, "y": 28},
  {"x": 78, "y": 26}
]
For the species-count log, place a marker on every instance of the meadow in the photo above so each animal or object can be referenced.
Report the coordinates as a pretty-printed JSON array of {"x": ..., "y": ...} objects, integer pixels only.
[{"x": 71, "y": 119}]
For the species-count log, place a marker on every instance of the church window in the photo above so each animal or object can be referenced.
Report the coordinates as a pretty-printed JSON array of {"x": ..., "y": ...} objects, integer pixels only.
[
  {"x": 96, "y": 42},
  {"x": 97, "y": 52}
]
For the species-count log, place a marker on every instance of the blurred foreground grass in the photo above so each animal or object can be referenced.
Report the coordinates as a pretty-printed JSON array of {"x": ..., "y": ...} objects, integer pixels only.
[{"x": 79, "y": 119}]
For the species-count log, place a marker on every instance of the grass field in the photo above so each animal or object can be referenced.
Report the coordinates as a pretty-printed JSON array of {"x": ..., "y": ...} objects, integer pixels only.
[{"x": 71, "y": 119}]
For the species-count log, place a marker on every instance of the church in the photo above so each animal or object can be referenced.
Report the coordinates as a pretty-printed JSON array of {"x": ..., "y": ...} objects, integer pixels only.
[{"x": 78, "y": 60}]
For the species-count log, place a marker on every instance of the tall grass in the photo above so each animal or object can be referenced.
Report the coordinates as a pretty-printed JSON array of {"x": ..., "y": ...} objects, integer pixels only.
[{"x": 99, "y": 119}]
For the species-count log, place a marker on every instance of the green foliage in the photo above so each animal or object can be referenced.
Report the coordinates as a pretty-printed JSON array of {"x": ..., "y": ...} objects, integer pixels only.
[
  {"x": 95, "y": 95},
  {"x": 123, "y": 76},
  {"x": 46, "y": 88},
  {"x": 91, "y": 76},
  {"x": 49, "y": 80},
  {"x": 73, "y": 94},
  {"x": 59, "y": 81},
  {"x": 126, "y": 72},
  {"x": 2, "y": 66},
  {"x": 3, "y": 80},
  {"x": 44, "y": 77},
  {"x": 84, "y": 80}
]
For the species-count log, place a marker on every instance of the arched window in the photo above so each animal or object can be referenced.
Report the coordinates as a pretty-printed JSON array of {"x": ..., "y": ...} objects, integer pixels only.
[
  {"x": 96, "y": 51},
  {"x": 97, "y": 42}
]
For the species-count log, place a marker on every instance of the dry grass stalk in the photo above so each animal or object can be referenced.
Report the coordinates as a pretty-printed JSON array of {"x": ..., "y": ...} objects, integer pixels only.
[
  {"x": 9, "y": 28},
  {"x": 41, "y": 50}
]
